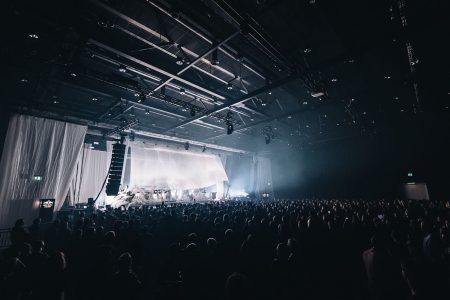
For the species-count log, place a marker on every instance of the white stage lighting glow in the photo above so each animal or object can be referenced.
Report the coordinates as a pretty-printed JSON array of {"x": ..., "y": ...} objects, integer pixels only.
[{"x": 166, "y": 169}]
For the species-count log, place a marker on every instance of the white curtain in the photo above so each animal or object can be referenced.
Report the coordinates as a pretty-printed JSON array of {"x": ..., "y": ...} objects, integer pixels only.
[
  {"x": 90, "y": 173},
  {"x": 36, "y": 147},
  {"x": 261, "y": 176},
  {"x": 161, "y": 168}
]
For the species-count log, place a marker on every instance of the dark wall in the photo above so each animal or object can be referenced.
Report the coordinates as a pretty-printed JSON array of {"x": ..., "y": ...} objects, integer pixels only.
[{"x": 372, "y": 166}]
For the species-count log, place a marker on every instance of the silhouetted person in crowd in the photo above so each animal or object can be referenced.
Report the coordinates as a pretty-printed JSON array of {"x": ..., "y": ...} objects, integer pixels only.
[
  {"x": 124, "y": 283},
  {"x": 19, "y": 234},
  {"x": 383, "y": 273}
]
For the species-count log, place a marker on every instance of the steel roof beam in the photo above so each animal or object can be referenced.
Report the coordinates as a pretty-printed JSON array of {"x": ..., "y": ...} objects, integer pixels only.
[
  {"x": 199, "y": 58},
  {"x": 154, "y": 68},
  {"x": 239, "y": 100},
  {"x": 203, "y": 37}
]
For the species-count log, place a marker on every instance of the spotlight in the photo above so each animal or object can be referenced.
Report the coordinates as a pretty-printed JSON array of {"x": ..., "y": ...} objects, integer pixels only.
[
  {"x": 229, "y": 86},
  {"x": 33, "y": 36},
  {"x": 214, "y": 58},
  {"x": 192, "y": 112},
  {"x": 94, "y": 99},
  {"x": 147, "y": 111},
  {"x": 122, "y": 69},
  {"x": 141, "y": 97},
  {"x": 203, "y": 148},
  {"x": 186, "y": 146},
  {"x": 317, "y": 94},
  {"x": 230, "y": 128},
  {"x": 179, "y": 61},
  {"x": 182, "y": 91}
]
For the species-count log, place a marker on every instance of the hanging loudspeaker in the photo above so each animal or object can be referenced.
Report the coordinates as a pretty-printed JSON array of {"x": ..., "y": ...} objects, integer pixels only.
[{"x": 115, "y": 171}]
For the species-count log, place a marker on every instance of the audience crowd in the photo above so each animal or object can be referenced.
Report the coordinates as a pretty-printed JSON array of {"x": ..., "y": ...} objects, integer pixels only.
[{"x": 285, "y": 249}]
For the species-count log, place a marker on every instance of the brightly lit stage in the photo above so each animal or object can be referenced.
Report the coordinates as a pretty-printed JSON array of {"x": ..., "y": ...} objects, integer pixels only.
[{"x": 156, "y": 174}]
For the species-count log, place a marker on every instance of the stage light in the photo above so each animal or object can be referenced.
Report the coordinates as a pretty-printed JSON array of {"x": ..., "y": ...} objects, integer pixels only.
[
  {"x": 229, "y": 86},
  {"x": 94, "y": 99},
  {"x": 147, "y": 111},
  {"x": 192, "y": 112},
  {"x": 203, "y": 148},
  {"x": 96, "y": 143},
  {"x": 141, "y": 97},
  {"x": 33, "y": 36},
  {"x": 186, "y": 146},
  {"x": 73, "y": 74},
  {"x": 214, "y": 58},
  {"x": 182, "y": 91},
  {"x": 179, "y": 61},
  {"x": 24, "y": 80},
  {"x": 122, "y": 69},
  {"x": 267, "y": 139},
  {"x": 230, "y": 128},
  {"x": 317, "y": 94},
  {"x": 334, "y": 80}
]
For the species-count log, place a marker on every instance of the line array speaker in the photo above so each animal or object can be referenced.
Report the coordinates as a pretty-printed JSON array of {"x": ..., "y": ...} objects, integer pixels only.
[{"x": 115, "y": 171}]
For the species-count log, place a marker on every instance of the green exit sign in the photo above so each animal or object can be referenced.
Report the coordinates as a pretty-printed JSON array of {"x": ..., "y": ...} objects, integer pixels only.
[
  {"x": 410, "y": 174},
  {"x": 37, "y": 178}
]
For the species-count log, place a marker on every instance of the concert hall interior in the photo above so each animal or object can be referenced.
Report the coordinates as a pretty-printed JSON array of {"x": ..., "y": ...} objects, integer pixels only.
[{"x": 225, "y": 149}]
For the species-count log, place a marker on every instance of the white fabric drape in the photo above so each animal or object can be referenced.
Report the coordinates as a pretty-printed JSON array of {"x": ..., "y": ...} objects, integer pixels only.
[
  {"x": 261, "y": 176},
  {"x": 91, "y": 171},
  {"x": 159, "y": 168},
  {"x": 36, "y": 146}
]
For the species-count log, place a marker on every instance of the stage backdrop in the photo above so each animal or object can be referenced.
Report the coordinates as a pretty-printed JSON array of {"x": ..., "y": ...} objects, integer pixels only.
[
  {"x": 162, "y": 168},
  {"x": 90, "y": 173},
  {"x": 38, "y": 161}
]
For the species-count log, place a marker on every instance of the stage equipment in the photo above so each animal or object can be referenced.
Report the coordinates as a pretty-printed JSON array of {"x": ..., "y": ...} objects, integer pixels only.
[
  {"x": 115, "y": 170},
  {"x": 46, "y": 208},
  {"x": 186, "y": 146}
]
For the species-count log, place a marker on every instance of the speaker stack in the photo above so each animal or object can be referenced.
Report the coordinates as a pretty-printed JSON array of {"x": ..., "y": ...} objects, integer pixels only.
[{"x": 115, "y": 171}]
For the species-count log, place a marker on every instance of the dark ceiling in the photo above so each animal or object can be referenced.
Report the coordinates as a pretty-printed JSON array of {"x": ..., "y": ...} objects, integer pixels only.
[{"x": 302, "y": 72}]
